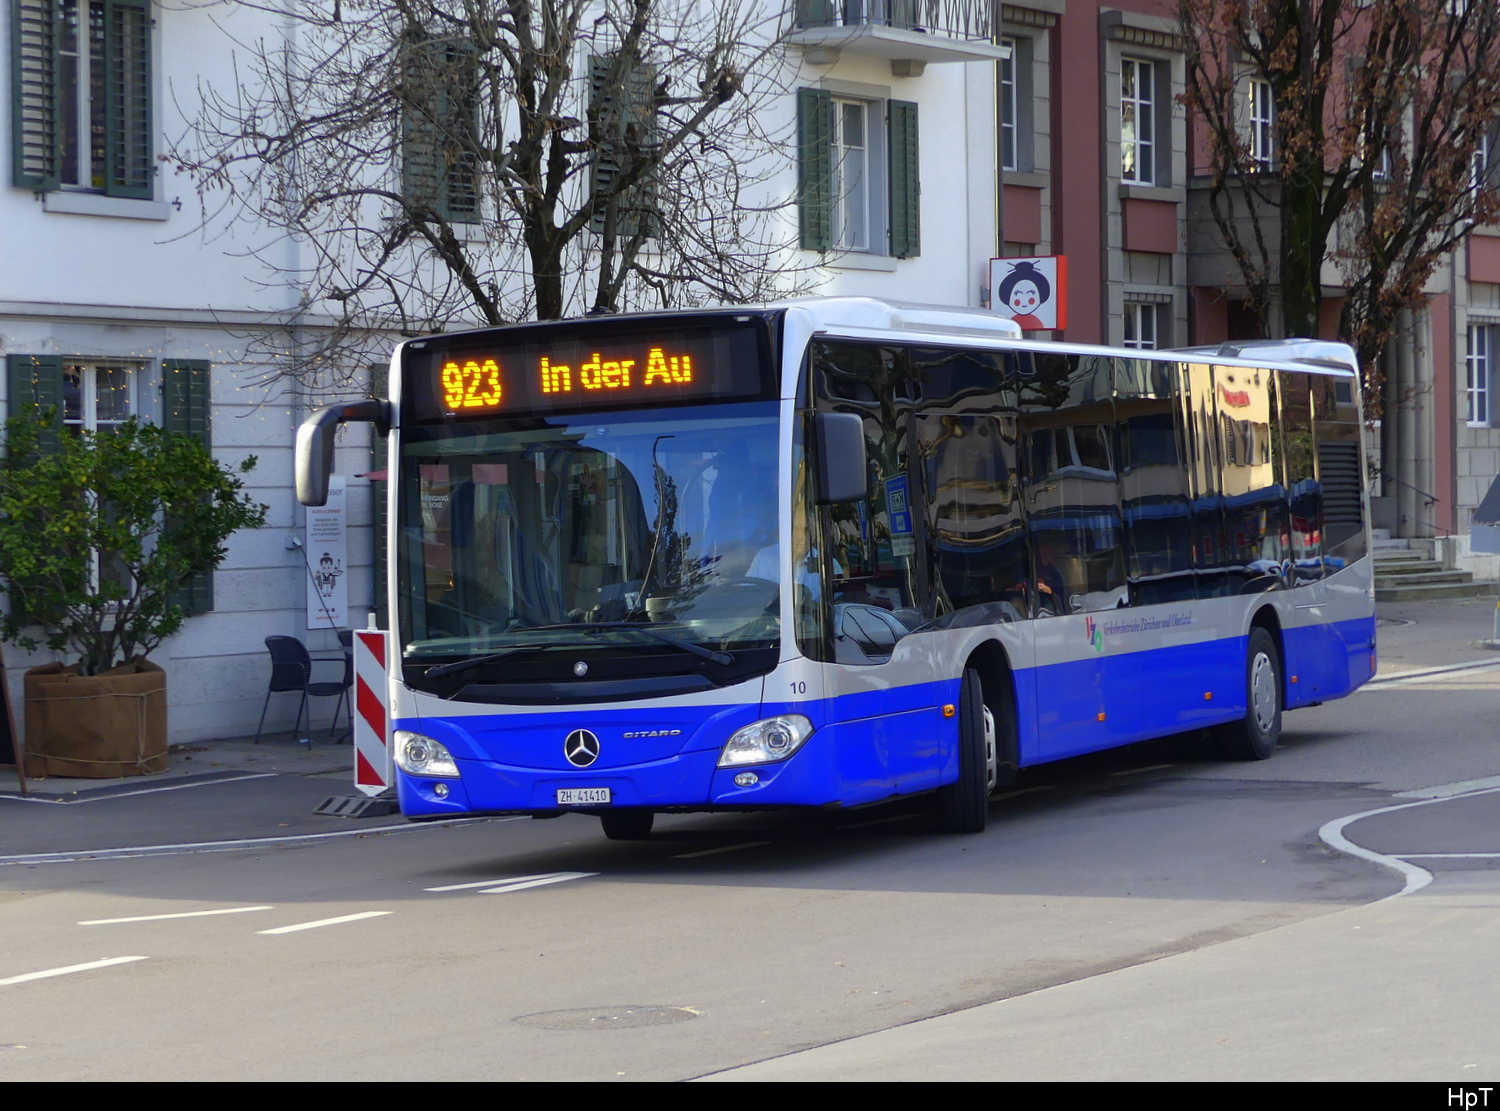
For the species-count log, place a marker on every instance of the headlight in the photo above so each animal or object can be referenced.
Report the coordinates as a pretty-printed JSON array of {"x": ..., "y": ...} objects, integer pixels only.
[
  {"x": 419, "y": 755},
  {"x": 766, "y": 741}
]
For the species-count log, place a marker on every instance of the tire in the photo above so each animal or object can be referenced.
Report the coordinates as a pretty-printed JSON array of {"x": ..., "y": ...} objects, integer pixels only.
[
  {"x": 627, "y": 825},
  {"x": 963, "y": 806},
  {"x": 1254, "y": 736}
]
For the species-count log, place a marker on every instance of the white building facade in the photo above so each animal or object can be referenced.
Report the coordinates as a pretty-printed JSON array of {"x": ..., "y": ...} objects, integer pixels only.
[{"x": 128, "y": 303}]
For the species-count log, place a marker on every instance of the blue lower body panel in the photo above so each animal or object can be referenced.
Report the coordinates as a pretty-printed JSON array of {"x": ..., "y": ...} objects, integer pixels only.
[{"x": 863, "y": 749}]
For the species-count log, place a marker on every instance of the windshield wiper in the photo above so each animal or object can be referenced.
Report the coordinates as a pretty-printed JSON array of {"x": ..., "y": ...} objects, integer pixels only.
[
  {"x": 474, "y": 661},
  {"x": 723, "y": 659}
]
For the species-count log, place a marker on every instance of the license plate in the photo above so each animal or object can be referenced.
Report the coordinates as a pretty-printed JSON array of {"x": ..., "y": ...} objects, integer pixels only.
[{"x": 583, "y": 796}]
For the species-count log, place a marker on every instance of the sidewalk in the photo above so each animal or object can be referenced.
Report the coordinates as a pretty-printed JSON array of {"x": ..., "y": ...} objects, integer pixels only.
[{"x": 277, "y": 754}]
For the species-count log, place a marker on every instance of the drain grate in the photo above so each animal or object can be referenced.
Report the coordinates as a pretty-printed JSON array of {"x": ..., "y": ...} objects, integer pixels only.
[{"x": 609, "y": 1018}]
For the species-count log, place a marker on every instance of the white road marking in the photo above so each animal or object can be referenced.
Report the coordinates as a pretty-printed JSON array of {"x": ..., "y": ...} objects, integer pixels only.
[
  {"x": 492, "y": 883},
  {"x": 164, "y": 917},
  {"x": 1427, "y": 674},
  {"x": 1451, "y": 856},
  {"x": 142, "y": 791},
  {"x": 233, "y": 846},
  {"x": 723, "y": 849},
  {"x": 70, "y": 968},
  {"x": 327, "y": 922},
  {"x": 1449, "y": 790},
  {"x": 538, "y": 881}
]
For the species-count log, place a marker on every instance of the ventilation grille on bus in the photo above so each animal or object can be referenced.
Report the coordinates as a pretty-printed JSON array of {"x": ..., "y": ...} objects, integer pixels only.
[{"x": 1339, "y": 463}]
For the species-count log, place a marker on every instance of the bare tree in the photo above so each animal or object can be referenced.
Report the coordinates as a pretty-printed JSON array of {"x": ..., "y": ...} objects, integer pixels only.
[
  {"x": 1370, "y": 145},
  {"x": 467, "y": 162}
]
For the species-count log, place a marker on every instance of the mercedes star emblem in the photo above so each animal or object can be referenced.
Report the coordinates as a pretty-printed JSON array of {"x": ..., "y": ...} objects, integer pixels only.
[
  {"x": 580, "y": 669},
  {"x": 581, "y": 748}
]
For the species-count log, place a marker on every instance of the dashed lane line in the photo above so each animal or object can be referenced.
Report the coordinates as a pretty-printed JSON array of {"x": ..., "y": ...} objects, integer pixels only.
[
  {"x": 321, "y": 922},
  {"x": 165, "y": 917},
  {"x": 47, "y": 974},
  {"x": 537, "y": 881},
  {"x": 721, "y": 849}
]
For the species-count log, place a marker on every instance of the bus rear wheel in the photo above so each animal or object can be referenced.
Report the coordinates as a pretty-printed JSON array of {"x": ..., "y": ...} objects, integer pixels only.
[
  {"x": 1254, "y": 736},
  {"x": 627, "y": 825},
  {"x": 963, "y": 806}
]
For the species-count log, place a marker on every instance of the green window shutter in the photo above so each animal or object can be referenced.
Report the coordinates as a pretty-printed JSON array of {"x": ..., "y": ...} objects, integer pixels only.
[
  {"x": 815, "y": 168},
  {"x": 185, "y": 408},
  {"x": 129, "y": 164},
  {"x": 906, "y": 184},
  {"x": 627, "y": 130},
  {"x": 439, "y": 125},
  {"x": 36, "y": 155},
  {"x": 37, "y": 380}
]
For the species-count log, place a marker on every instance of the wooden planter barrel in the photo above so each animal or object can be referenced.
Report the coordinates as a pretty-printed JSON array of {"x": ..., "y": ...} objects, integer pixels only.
[{"x": 96, "y": 726}]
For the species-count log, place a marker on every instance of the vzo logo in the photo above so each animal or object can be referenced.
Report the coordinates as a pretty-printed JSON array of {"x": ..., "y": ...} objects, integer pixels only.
[{"x": 1096, "y": 634}]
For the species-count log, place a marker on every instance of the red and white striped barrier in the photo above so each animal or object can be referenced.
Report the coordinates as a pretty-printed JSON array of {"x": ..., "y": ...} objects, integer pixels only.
[{"x": 372, "y": 739}]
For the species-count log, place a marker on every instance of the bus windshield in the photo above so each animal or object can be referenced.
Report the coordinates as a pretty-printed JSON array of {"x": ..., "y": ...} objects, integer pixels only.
[{"x": 567, "y": 531}]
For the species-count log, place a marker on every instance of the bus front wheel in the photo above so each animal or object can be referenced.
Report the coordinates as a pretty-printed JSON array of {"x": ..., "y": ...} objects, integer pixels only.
[
  {"x": 1254, "y": 736},
  {"x": 963, "y": 806},
  {"x": 627, "y": 825}
]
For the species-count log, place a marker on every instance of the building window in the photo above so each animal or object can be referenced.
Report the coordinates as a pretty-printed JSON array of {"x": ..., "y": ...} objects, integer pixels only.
[
  {"x": 1009, "y": 106},
  {"x": 858, "y": 187},
  {"x": 1481, "y": 345},
  {"x": 1262, "y": 126},
  {"x": 1138, "y": 121},
  {"x": 1479, "y": 164},
  {"x": 851, "y": 175},
  {"x": 1141, "y": 325},
  {"x": 97, "y": 395},
  {"x": 81, "y": 96}
]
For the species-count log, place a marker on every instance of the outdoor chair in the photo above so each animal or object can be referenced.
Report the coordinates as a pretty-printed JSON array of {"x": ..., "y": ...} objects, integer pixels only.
[{"x": 291, "y": 670}]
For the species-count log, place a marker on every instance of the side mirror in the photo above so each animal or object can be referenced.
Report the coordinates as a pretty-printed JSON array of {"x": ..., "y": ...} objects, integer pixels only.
[
  {"x": 843, "y": 470},
  {"x": 315, "y": 443}
]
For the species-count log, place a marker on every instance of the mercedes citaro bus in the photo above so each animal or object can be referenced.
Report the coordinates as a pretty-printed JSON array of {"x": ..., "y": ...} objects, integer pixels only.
[{"x": 837, "y": 551}]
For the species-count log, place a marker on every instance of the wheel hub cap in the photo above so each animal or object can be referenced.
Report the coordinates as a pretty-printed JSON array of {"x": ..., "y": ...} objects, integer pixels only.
[{"x": 1263, "y": 691}]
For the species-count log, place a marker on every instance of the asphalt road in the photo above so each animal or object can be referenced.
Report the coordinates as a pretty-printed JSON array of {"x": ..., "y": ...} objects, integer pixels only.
[{"x": 1164, "y": 895}]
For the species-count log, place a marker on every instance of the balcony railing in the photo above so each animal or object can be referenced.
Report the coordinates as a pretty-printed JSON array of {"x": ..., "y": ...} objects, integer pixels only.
[
  {"x": 967, "y": 20},
  {"x": 911, "y": 33}
]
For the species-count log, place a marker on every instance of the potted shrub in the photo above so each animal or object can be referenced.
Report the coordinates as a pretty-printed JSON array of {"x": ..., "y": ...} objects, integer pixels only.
[{"x": 99, "y": 534}]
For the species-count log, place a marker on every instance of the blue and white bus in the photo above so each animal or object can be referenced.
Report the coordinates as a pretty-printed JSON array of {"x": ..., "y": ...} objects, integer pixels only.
[{"x": 837, "y": 551}]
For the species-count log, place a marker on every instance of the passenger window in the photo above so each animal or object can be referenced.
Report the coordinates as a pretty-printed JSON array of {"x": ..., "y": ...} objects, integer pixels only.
[
  {"x": 1153, "y": 485},
  {"x": 1304, "y": 494},
  {"x": 1255, "y": 527},
  {"x": 1073, "y": 500},
  {"x": 1336, "y": 425}
]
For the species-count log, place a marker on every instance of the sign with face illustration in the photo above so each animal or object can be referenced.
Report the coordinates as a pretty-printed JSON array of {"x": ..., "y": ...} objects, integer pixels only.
[{"x": 1031, "y": 291}]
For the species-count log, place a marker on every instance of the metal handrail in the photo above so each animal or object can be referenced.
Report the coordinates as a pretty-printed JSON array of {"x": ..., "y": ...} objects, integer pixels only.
[{"x": 1432, "y": 499}]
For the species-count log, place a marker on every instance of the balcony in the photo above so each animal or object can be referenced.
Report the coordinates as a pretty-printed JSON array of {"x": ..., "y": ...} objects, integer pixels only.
[{"x": 910, "y": 33}]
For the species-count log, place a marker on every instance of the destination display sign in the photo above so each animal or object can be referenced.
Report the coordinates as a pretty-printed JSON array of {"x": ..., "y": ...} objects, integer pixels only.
[{"x": 483, "y": 375}]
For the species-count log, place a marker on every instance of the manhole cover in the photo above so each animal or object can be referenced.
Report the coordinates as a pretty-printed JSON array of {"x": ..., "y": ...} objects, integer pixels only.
[
  {"x": 1387, "y": 622},
  {"x": 608, "y": 1018}
]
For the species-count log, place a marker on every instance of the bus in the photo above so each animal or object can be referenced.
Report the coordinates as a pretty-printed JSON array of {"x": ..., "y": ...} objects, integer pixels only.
[{"x": 838, "y": 551}]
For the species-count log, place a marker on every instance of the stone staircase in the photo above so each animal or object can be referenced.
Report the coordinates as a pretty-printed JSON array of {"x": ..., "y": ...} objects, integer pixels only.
[{"x": 1407, "y": 574}]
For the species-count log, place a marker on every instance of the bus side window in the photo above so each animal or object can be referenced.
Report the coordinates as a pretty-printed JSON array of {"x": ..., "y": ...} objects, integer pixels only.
[
  {"x": 1073, "y": 501},
  {"x": 1304, "y": 494},
  {"x": 1254, "y": 502},
  {"x": 1336, "y": 432},
  {"x": 1154, "y": 495}
]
